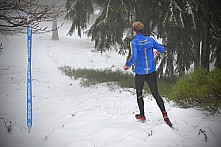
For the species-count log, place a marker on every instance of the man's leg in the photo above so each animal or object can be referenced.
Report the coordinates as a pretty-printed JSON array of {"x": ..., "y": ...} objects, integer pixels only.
[
  {"x": 152, "y": 82},
  {"x": 139, "y": 83}
]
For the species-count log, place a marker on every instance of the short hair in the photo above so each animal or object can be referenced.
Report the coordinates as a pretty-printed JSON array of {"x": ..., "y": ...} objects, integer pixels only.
[{"x": 138, "y": 27}]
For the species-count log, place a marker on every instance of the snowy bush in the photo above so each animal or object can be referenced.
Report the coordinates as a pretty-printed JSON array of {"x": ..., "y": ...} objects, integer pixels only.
[{"x": 199, "y": 89}]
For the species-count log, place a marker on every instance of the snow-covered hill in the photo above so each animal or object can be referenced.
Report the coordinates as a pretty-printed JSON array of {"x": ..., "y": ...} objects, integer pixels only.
[{"x": 68, "y": 115}]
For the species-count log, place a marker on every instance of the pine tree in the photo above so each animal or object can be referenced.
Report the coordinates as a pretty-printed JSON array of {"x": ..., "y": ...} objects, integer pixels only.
[
  {"x": 79, "y": 12},
  {"x": 108, "y": 30},
  {"x": 183, "y": 24}
]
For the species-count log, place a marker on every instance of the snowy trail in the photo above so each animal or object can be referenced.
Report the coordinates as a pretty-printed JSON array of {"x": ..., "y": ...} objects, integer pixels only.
[{"x": 68, "y": 115}]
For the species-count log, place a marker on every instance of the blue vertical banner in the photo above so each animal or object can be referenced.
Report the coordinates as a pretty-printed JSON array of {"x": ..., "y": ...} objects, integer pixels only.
[{"x": 29, "y": 78}]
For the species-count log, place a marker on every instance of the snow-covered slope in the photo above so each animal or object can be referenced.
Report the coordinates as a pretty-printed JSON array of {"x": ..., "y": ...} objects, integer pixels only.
[{"x": 68, "y": 115}]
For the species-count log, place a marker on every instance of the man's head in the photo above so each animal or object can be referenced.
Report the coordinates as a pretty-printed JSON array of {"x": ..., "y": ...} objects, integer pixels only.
[{"x": 138, "y": 27}]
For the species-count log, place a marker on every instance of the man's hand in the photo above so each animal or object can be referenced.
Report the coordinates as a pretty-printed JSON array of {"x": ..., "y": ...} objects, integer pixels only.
[{"x": 125, "y": 67}]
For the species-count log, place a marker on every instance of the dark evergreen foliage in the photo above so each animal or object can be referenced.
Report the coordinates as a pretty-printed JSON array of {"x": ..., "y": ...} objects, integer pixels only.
[
  {"x": 192, "y": 28},
  {"x": 79, "y": 12},
  {"x": 109, "y": 28}
]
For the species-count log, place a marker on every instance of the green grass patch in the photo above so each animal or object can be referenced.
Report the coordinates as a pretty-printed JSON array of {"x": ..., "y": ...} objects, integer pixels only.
[
  {"x": 95, "y": 76},
  {"x": 201, "y": 89},
  {"x": 90, "y": 77},
  {"x": 165, "y": 86}
]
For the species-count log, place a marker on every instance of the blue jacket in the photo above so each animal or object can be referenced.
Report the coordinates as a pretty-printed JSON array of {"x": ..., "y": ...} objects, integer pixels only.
[{"x": 142, "y": 54}]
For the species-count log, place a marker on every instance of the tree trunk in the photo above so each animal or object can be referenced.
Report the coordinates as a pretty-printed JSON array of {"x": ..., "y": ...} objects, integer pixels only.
[
  {"x": 218, "y": 52},
  {"x": 197, "y": 51},
  {"x": 206, "y": 38},
  {"x": 55, "y": 30}
]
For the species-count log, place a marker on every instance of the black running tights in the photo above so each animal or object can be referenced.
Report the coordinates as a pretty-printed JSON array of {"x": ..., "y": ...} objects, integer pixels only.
[{"x": 152, "y": 83}]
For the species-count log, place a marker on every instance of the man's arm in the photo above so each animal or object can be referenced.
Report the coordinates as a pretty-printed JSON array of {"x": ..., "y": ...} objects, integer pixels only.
[
  {"x": 158, "y": 47},
  {"x": 133, "y": 57}
]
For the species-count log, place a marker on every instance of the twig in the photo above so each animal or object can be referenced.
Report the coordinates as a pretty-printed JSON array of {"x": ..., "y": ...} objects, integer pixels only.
[
  {"x": 204, "y": 133},
  {"x": 8, "y": 124}
]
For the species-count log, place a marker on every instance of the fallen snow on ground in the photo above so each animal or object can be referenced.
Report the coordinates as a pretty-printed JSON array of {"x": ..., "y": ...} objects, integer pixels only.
[{"x": 65, "y": 114}]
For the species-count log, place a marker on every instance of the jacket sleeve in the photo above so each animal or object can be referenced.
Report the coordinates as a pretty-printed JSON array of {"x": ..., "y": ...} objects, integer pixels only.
[
  {"x": 133, "y": 57},
  {"x": 158, "y": 47}
]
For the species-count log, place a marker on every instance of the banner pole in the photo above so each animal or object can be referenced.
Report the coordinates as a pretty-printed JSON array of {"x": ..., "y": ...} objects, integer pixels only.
[{"x": 29, "y": 77}]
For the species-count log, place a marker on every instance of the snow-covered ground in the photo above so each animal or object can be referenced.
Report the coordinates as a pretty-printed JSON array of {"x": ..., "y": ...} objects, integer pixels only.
[{"x": 68, "y": 115}]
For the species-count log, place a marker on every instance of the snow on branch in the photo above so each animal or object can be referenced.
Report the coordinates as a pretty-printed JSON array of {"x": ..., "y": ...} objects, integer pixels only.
[
  {"x": 189, "y": 10},
  {"x": 174, "y": 15},
  {"x": 109, "y": 9}
]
